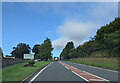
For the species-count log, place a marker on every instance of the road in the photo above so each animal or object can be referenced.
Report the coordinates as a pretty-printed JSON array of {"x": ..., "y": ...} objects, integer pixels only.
[{"x": 68, "y": 71}]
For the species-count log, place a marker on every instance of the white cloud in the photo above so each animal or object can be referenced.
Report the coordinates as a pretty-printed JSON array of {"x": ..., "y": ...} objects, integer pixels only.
[
  {"x": 79, "y": 31},
  {"x": 74, "y": 31},
  {"x": 60, "y": 43}
]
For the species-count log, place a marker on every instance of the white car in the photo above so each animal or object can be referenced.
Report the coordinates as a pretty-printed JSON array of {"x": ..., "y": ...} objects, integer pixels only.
[
  {"x": 36, "y": 60},
  {"x": 56, "y": 59}
]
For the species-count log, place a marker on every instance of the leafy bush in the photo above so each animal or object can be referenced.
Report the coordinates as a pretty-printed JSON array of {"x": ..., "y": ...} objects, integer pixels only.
[
  {"x": 31, "y": 62},
  {"x": 26, "y": 65}
]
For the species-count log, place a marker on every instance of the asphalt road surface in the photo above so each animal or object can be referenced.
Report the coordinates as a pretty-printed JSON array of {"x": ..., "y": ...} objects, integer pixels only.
[{"x": 67, "y": 71}]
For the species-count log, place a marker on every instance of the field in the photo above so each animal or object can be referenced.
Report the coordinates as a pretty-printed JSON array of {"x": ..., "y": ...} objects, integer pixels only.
[
  {"x": 18, "y": 72},
  {"x": 110, "y": 63}
]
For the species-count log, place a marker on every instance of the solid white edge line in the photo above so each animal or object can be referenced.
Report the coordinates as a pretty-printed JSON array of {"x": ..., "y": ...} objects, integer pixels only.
[
  {"x": 96, "y": 76},
  {"x": 90, "y": 74},
  {"x": 39, "y": 72},
  {"x": 96, "y": 80},
  {"x": 80, "y": 76},
  {"x": 66, "y": 67}
]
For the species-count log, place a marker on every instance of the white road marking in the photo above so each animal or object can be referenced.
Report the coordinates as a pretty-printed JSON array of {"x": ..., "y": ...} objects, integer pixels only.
[
  {"x": 96, "y": 76},
  {"x": 39, "y": 73},
  {"x": 90, "y": 74},
  {"x": 66, "y": 67},
  {"x": 80, "y": 76},
  {"x": 96, "y": 80}
]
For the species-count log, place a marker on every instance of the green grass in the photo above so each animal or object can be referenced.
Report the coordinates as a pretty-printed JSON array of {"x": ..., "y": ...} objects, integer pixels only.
[
  {"x": 19, "y": 72},
  {"x": 110, "y": 63},
  {"x": 0, "y": 76}
]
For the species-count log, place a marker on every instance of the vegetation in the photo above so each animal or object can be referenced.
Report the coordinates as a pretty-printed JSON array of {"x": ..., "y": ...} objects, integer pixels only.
[
  {"x": 1, "y": 53},
  {"x": 31, "y": 62},
  {"x": 20, "y": 50},
  {"x": 18, "y": 72},
  {"x": 44, "y": 50},
  {"x": 36, "y": 49},
  {"x": 66, "y": 50},
  {"x": 106, "y": 43},
  {"x": 110, "y": 63}
]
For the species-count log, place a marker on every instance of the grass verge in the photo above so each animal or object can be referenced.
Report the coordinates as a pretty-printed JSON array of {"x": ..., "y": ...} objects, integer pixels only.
[
  {"x": 19, "y": 72},
  {"x": 109, "y": 63}
]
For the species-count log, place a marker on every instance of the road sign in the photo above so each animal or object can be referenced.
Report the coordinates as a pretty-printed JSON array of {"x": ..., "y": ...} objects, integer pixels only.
[{"x": 28, "y": 56}]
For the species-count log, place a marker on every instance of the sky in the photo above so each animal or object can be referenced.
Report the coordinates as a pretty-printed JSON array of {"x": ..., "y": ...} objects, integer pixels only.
[{"x": 32, "y": 22}]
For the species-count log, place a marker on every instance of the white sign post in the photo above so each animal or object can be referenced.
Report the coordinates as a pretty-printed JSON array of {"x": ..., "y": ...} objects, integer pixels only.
[{"x": 28, "y": 56}]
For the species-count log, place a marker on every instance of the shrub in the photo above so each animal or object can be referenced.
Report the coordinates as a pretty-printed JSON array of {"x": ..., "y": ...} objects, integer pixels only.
[
  {"x": 31, "y": 62},
  {"x": 26, "y": 65}
]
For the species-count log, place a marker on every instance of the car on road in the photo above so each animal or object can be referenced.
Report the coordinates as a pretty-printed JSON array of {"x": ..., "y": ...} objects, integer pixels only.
[
  {"x": 36, "y": 60},
  {"x": 56, "y": 59}
]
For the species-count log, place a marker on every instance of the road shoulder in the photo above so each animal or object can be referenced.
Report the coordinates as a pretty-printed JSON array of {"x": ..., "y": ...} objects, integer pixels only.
[{"x": 28, "y": 79}]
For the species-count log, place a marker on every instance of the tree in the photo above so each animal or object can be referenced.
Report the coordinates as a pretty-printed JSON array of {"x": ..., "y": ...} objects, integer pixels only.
[
  {"x": 108, "y": 37},
  {"x": 36, "y": 50},
  {"x": 45, "y": 49},
  {"x": 106, "y": 43},
  {"x": 20, "y": 50},
  {"x": 66, "y": 54},
  {"x": 69, "y": 45},
  {"x": 48, "y": 46},
  {"x": 73, "y": 53},
  {"x": 1, "y": 53},
  {"x": 66, "y": 50}
]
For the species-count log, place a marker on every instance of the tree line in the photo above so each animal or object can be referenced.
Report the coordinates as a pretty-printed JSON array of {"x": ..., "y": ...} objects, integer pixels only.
[
  {"x": 106, "y": 43},
  {"x": 42, "y": 51}
]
